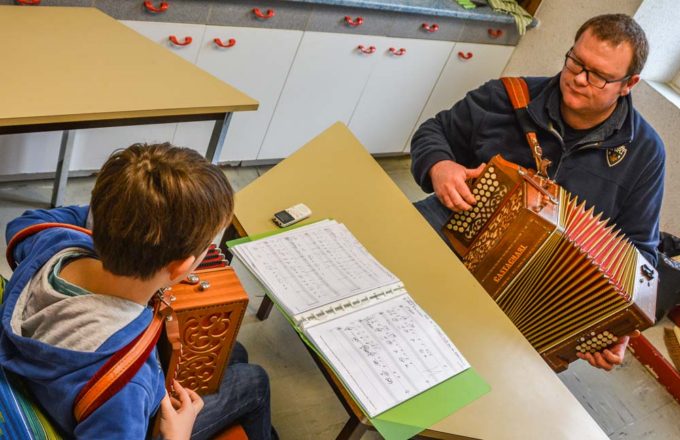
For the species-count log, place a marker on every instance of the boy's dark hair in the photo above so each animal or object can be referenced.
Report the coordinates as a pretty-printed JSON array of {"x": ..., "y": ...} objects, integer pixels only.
[
  {"x": 619, "y": 28},
  {"x": 154, "y": 204}
]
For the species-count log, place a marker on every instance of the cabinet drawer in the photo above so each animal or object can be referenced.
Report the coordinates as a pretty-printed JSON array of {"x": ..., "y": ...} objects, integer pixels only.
[
  {"x": 427, "y": 27},
  {"x": 178, "y": 11},
  {"x": 343, "y": 20},
  {"x": 486, "y": 32},
  {"x": 283, "y": 15}
]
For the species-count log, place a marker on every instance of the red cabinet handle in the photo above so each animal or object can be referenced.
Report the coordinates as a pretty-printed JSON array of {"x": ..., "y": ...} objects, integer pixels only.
[
  {"x": 397, "y": 52},
  {"x": 266, "y": 16},
  {"x": 434, "y": 27},
  {"x": 364, "y": 49},
  {"x": 176, "y": 42},
  {"x": 354, "y": 23},
  {"x": 29, "y": 2},
  {"x": 221, "y": 43},
  {"x": 495, "y": 33},
  {"x": 156, "y": 10},
  {"x": 464, "y": 55}
]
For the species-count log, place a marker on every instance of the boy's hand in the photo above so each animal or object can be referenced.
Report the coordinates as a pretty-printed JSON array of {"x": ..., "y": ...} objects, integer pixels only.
[
  {"x": 449, "y": 182},
  {"x": 178, "y": 416},
  {"x": 608, "y": 358}
]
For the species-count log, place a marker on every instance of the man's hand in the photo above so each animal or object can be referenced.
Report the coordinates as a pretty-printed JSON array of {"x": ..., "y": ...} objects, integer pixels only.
[
  {"x": 178, "y": 416},
  {"x": 448, "y": 179},
  {"x": 608, "y": 358}
]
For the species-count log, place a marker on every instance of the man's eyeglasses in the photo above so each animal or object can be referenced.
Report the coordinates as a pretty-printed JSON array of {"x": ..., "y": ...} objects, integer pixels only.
[{"x": 593, "y": 78}]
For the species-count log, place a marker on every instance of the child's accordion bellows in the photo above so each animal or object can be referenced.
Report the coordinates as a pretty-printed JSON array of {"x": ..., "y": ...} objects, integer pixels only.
[{"x": 566, "y": 278}]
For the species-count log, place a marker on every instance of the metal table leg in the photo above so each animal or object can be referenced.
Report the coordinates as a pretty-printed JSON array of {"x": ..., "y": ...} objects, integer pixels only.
[
  {"x": 63, "y": 165},
  {"x": 217, "y": 138}
]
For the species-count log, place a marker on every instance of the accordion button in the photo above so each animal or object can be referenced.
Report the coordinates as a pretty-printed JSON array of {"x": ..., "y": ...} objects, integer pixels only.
[
  {"x": 449, "y": 226},
  {"x": 492, "y": 169},
  {"x": 204, "y": 285}
]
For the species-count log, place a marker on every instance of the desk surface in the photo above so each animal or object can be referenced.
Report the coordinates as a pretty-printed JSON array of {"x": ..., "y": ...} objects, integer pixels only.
[
  {"x": 65, "y": 64},
  {"x": 337, "y": 178}
]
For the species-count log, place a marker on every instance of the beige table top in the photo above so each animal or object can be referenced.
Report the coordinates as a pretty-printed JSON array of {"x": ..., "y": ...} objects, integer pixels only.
[
  {"x": 337, "y": 178},
  {"x": 66, "y": 64}
]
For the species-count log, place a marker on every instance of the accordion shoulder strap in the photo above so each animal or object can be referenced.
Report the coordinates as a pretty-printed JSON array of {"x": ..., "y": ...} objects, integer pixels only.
[
  {"x": 124, "y": 364},
  {"x": 518, "y": 92}
]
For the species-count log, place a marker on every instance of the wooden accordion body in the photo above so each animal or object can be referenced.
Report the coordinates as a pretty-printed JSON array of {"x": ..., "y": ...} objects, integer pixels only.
[
  {"x": 202, "y": 329},
  {"x": 569, "y": 281}
]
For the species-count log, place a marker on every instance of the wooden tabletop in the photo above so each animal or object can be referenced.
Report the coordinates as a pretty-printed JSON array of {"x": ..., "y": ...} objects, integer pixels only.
[
  {"x": 66, "y": 64},
  {"x": 337, "y": 178}
]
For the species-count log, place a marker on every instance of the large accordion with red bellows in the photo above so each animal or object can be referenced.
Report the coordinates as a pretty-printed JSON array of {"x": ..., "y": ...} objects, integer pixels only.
[{"x": 569, "y": 280}]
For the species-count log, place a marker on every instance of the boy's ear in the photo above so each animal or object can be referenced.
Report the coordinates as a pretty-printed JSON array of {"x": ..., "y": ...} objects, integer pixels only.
[{"x": 179, "y": 268}]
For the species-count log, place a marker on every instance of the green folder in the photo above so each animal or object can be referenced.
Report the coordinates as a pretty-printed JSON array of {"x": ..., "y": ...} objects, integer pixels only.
[{"x": 419, "y": 412}]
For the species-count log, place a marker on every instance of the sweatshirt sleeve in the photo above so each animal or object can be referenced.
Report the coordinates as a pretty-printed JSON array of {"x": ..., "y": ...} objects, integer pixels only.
[
  {"x": 126, "y": 415},
  {"x": 450, "y": 135}
]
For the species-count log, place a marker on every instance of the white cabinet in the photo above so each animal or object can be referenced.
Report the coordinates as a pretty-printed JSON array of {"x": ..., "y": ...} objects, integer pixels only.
[
  {"x": 29, "y": 153},
  {"x": 396, "y": 92},
  {"x": 468, "y": 67},
  {"x": 257, "y": 64},
  {"x": 93, "y": 146},
  {"x": 324, "y": 85}
]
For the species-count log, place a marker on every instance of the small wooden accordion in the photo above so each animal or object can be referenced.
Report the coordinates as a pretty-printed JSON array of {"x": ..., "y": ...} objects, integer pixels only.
[
  {"x": 207, "y": 310},
  {"x": 567, "y": 279}
]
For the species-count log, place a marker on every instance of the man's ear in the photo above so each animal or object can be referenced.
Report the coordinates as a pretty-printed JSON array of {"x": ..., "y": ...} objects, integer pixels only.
[
  {"x": 630, "y": 84},
  {"x": 179, "y": 268}
]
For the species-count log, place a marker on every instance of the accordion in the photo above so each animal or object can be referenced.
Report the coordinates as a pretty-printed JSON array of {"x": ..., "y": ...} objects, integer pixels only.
[
  {"x": 567, "y": 279},
  {"x": 207, "y": 310}
]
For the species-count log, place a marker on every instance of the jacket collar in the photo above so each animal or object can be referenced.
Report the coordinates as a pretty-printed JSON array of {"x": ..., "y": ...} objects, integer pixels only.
[{"x": 617, "y": 130}]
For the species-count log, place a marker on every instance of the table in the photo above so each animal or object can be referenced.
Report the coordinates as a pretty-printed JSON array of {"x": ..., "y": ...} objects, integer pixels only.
[
  {"x": 65, "y": 68},
  {"x": 337, "y": 178}
]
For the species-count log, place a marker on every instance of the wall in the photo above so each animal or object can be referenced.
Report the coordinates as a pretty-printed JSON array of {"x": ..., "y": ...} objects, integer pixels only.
[{"x": 541, "y": 52}]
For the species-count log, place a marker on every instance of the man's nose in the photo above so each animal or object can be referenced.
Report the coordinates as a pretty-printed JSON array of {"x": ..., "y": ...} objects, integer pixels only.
[{"x": 581, "y": 78}]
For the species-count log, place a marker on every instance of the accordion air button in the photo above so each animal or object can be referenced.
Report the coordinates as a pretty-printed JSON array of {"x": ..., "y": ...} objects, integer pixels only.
[{"x": 192, "y": 278}]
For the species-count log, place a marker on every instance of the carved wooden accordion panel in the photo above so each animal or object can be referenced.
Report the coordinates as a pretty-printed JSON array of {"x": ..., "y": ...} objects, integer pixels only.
[
  {"x": 207, "y": 314},
  {"x": 566, "y": 278}
]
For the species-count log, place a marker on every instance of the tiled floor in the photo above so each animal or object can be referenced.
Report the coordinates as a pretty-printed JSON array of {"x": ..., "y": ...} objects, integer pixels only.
[{"x": 627, "y": 403}]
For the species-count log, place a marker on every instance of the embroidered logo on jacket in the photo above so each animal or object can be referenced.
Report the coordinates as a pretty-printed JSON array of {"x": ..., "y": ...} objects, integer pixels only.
[{"x": 616, "y": 155}]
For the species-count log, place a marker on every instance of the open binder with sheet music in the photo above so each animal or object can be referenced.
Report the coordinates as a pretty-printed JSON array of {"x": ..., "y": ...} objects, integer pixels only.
[{"x": 356, "y": 315}]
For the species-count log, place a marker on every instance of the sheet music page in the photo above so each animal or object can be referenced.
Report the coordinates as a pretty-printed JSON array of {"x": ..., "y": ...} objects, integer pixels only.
[
  {"x": 313, "y": 265},
  {"x": 387, "y": 353}
]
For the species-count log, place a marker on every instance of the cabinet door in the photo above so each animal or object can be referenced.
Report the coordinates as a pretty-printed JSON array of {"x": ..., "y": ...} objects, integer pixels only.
[
  {"x": 397, "y": 91},
  {"x": 29, "y": 153},
  {"x": 257, "y": 64},
  {"x": 93, "y": 146},
  {"x": 468, "y": 67},
  {"x": 323, "y": 87}
]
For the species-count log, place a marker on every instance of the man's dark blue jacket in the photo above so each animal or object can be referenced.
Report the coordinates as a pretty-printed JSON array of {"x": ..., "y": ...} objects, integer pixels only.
[{"x": 483, "y": 124}]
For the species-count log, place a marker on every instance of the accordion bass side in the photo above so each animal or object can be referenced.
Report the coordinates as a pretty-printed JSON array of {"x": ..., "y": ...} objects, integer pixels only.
[
  {"x": 207, "y": 311},
  {"x": 568, "y": 280}
]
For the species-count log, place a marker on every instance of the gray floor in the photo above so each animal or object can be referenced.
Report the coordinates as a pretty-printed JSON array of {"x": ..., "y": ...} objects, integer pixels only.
[{"x": 627, "y": 403}]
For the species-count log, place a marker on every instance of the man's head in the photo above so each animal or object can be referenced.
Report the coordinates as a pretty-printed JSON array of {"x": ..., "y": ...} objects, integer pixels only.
[
  {"x": 604, "y": 63},
  {"x": 153, "y": 205}
]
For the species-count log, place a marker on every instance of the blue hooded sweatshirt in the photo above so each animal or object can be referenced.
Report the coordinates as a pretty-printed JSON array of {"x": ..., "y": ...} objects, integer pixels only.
[
  {"x": 617, "y": 166},
  {"x": 54, "y": 374}
]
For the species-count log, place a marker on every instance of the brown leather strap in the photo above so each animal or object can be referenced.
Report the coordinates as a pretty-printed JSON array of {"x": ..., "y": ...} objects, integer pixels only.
[
  {"x": 120, "y": 368},
  {"x": 518, "y": 92},
  {"x": 32, "y": 230}
]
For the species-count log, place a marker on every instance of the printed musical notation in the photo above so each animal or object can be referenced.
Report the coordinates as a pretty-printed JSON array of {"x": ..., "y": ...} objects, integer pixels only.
[
  {"x": 358, "y": 314},
  {"x": 314, "y": 265},
  {"x": 388, "y": 353}
]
